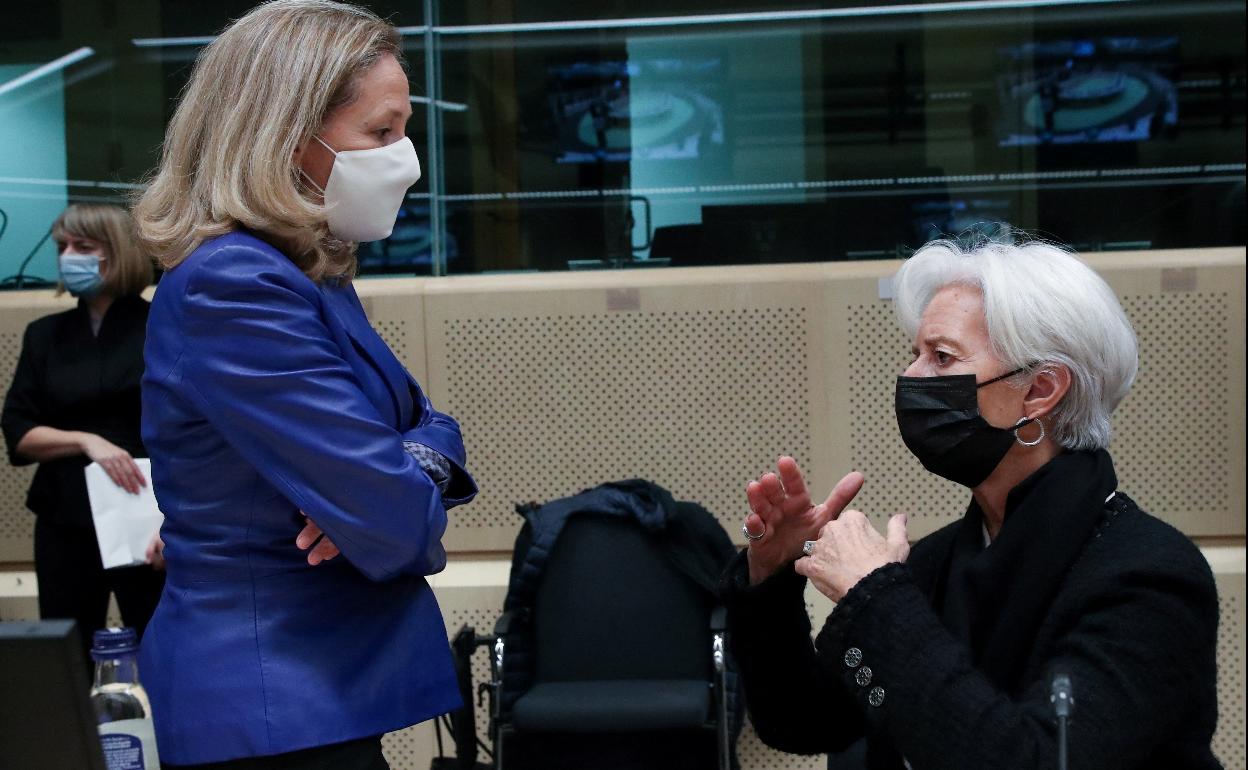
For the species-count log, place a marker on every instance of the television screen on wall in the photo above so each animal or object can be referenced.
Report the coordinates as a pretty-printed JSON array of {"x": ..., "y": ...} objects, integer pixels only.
[
  {"x": 1110, "y": 89},
  {"x": 654, "y": 109}
]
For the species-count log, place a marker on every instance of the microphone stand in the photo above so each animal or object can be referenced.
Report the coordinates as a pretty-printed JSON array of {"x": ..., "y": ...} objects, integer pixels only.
[
  {"x": 1062, "y": 698},
  {"x": 20, "y": 279}
]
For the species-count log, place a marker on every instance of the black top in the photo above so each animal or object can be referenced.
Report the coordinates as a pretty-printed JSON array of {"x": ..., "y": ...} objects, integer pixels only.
[
  {"x": 1131, "y": 617},
  {"x": 70, "y": 379}
]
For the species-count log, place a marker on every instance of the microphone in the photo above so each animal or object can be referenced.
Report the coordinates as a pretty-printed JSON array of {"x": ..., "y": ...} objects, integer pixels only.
[{"x": 1062, "y": 699}]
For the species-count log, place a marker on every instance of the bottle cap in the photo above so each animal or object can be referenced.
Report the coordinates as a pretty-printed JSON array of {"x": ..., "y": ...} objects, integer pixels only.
[{"x": 110, "y": 643}]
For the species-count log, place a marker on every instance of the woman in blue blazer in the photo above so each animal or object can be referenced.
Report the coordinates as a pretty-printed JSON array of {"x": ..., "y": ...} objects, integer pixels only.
[{"x": 282, "y": 430}]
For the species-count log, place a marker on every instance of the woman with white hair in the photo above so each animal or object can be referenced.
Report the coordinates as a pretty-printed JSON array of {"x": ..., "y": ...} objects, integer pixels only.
[
  {"x": 282, "y": 429},
  {"x": 943, "y": 656}
]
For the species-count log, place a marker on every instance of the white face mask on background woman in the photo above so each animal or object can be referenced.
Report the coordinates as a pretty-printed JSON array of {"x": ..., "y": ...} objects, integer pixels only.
[{"x": 366, "y": 189}]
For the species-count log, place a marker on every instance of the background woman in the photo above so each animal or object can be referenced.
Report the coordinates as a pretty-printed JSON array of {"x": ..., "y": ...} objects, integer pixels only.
[
  {"x": 282, "y": 429},
  {"x": 75, "y": 400},
  {"x": 942, "y": 656}
]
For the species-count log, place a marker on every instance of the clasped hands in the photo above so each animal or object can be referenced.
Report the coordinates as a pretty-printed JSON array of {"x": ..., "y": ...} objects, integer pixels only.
[{"x": 847, "y": 547}]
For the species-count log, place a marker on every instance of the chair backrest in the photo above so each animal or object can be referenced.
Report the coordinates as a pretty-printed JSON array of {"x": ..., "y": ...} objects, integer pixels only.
[
  {"x": 682, "y": 244},
  {"x": 611, "y": 605}
]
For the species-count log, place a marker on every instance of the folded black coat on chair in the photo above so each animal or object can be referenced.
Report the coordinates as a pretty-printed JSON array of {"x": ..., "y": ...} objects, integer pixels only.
[{"x": 608, "y": 635}]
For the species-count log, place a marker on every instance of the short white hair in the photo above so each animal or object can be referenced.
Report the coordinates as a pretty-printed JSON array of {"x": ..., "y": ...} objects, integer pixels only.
[{"x": 1043, "y": 307}]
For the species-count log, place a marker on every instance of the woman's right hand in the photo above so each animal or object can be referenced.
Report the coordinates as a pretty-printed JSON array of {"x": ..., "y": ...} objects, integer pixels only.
[
  {"x": 155, "y": 554},
  {"x": 310, "y": 536},
  {"x": 115, "y": 461},
  {"x": 781, "y": 508}
]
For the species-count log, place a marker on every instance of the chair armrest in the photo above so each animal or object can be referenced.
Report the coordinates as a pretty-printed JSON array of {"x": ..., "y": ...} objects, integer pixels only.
[
  {"x": 719, "y": 633},
  {"x": 719, "y": 618},
  {"x": 508, "y": 620},
  {"x": 719, "y": 657}
]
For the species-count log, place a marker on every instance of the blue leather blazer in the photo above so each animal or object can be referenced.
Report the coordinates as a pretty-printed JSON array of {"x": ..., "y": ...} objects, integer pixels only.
[{"x": 267, "y": 396}]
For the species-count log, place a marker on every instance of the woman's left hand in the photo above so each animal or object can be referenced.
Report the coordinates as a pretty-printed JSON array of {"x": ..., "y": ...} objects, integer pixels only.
[{"x": 849, "y": 549}]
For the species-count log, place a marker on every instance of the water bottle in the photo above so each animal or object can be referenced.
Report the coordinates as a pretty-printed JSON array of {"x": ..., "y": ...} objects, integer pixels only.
[{"x": 122, "y": 710}]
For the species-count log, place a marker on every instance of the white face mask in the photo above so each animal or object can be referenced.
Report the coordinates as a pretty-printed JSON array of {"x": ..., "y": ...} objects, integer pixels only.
[{"x": 366, "y": 188}]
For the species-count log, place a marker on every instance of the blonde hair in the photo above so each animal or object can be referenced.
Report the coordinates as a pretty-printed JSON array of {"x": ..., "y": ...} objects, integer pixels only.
[
  {"x": 259, "y": 91},
  {"x": 129, "y": 269}
]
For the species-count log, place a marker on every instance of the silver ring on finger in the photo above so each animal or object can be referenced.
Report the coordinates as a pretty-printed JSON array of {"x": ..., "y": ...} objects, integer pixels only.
[
  {"x": 808, "y": 547},
  {"x": 750, "y": 535}
]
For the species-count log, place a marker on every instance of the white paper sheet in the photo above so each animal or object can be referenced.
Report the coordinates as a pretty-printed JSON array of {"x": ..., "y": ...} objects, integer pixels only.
[{"x": 124, "y": 523}]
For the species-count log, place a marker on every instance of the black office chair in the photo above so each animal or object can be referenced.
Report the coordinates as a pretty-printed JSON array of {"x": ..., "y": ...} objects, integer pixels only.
[
  {"x": 626, "y": 661},
  {"x": 681, "y": 245}
]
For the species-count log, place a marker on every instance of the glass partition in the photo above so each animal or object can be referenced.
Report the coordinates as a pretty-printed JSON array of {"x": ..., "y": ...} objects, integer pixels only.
[{"x": 565, "y": 136}]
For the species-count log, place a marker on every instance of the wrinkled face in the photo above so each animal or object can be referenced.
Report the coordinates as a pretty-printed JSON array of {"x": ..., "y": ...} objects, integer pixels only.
[
  {"x": 376, "y": 118},
  {"x": 953, "y": 339},
  {"x": 82, "y": 245}
]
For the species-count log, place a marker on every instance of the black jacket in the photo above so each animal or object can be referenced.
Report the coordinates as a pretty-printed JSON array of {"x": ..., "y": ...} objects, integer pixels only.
[
  {"x": 70, "y": 379},
  {"x": 690, "y": 539},
  {"x": 688, "y": 534},
  {"x": 1132, "y": 620}
]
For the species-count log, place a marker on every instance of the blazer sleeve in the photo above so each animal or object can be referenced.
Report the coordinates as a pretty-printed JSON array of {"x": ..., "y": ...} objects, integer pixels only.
[
  {"x": 23, "y": 409},
  {"x": 440, "y": 432},
  {"x": 795, "y": 703},
  {"x": 262, "y": 366},
  {"x": 1135, "y": 654}
]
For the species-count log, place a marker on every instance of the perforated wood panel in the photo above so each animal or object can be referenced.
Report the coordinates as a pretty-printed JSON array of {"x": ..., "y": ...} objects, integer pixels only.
[
  {"x": 394, "y": 332},
  {"x": 396, "y": 309},
  {"x": 16, "y": 523},
  {"x": 572, "y": 400},
  {"x": 1173, "y": 450},
  {"x": 412, "y": 748},
  {"x": 1179, "y": 444},
  {"x": 1228, "y": 741},
  {"x": 755, "y": 755},
  {"x": 677, "y": 388}
]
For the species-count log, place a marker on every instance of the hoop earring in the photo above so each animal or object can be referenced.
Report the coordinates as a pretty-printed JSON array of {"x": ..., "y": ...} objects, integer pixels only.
[{"x": 1023, "y": 421}]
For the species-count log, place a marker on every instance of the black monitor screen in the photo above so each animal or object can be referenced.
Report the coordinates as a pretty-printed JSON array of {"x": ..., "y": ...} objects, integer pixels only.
[{"x": 46, "y": 722}]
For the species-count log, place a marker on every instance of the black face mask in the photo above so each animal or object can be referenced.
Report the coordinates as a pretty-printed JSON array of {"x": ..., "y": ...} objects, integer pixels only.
[{"x": 940, "y": 422}]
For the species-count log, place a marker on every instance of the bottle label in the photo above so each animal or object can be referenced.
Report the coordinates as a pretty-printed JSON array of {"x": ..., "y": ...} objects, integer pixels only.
[{"x": 129, "y": 744}]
